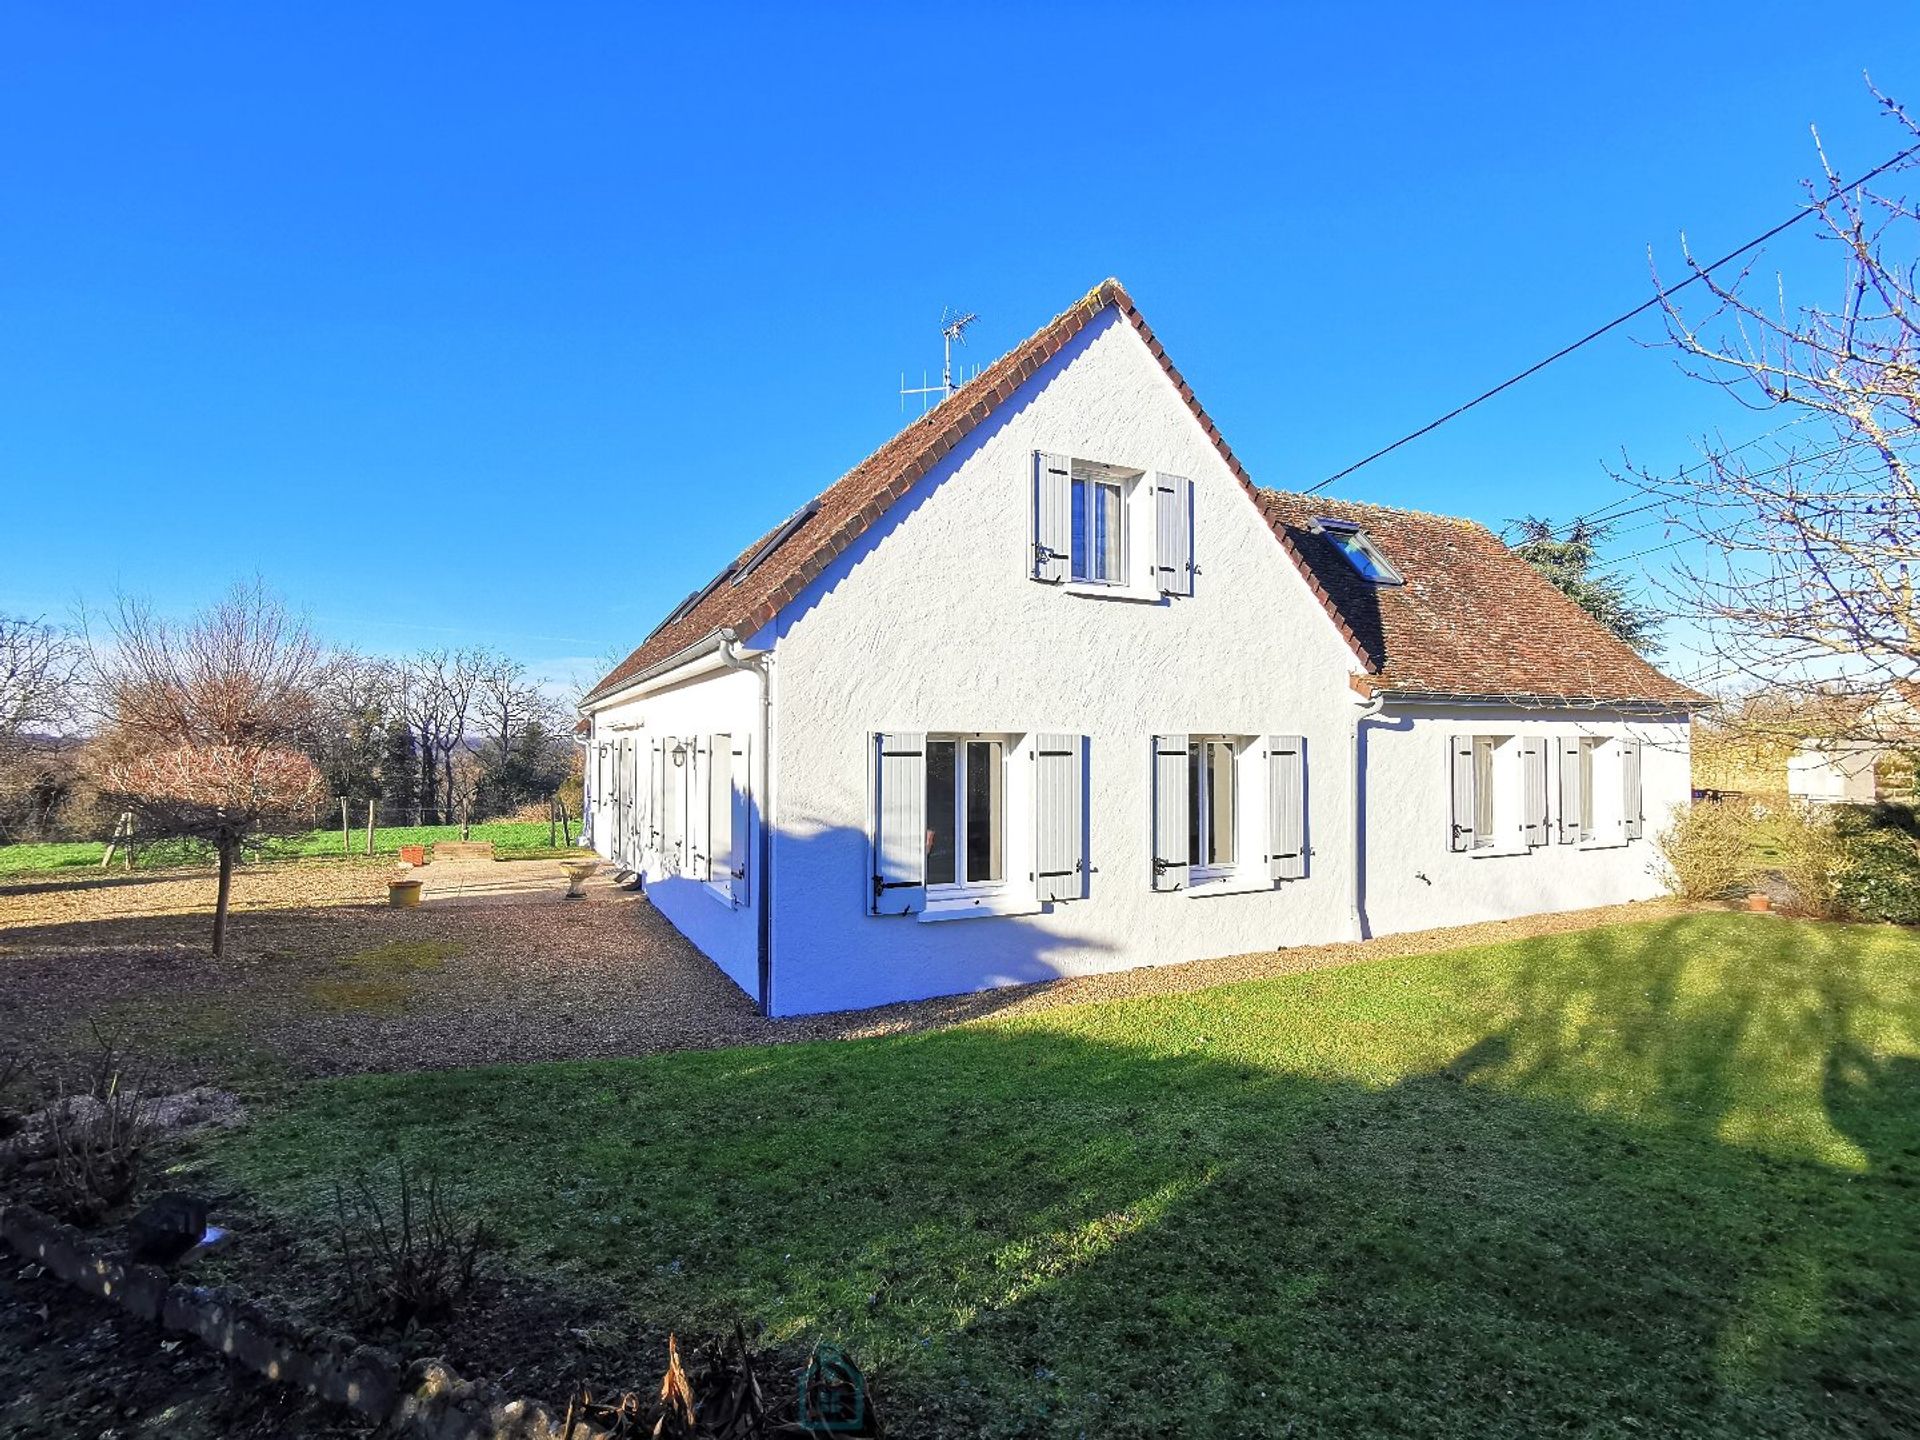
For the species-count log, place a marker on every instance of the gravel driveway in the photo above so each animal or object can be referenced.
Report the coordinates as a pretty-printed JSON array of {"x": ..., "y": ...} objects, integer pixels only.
[{"x": 322, "y": 978}]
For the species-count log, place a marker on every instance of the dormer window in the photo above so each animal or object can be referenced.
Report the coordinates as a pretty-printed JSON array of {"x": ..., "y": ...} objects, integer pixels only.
[{"x": 1361, "y": 552}]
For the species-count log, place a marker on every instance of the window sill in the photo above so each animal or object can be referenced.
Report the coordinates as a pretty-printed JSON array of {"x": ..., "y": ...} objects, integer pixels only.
[
  {"x": 1619, "y": 844},
  {"x": 1494, "y": 852},
  {"x": 1229, "y": 885},
  {"x": 977, "y": 907},
  {"x": 1094, "y": 590},
  {"x": 724, "y": 896}
]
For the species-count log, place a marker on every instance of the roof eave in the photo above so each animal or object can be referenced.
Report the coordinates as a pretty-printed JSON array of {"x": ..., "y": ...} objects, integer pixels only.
[{"x": 1532, "y": 700}]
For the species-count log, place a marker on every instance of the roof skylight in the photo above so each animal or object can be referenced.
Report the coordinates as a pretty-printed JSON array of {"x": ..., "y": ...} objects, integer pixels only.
[{"x": 1354, "y": 543}]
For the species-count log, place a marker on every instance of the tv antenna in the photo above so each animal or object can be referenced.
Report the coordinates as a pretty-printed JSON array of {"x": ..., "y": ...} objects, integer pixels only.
[{"x": 953, "y": 331}]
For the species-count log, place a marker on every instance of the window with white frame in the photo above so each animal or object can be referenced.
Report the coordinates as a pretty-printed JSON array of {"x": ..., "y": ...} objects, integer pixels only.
[
  {"x": 1600, "y": 800},
  {"x": 1098, "y": 547},
  {"x": 1212, "y": 788},
  {"x": 966, "y": 813},
  {"x": 1499, "y": 799},
  {"x": 1229, "y": 812},
  {"x": 969, "y": 823},
  {"x": 1101, "y": 528}
]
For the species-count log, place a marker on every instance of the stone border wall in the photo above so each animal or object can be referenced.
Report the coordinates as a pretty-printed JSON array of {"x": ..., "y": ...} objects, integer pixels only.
[{"x": 424, "y": 1399}]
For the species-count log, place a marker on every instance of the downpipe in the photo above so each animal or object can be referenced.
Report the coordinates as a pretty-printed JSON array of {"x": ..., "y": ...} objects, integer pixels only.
[
  {"x": 1369, "y": 708},
  {"x": 734, "y": 658}
]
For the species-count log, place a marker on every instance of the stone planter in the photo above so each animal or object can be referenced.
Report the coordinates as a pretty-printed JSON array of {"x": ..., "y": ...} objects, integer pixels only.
[
  {"x": 577, "y": 872},
  {"x": 403, "y": 894}
]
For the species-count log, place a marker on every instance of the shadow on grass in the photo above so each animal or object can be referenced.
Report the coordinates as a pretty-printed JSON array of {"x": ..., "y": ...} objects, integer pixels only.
[{"x": 1652, "y": 1179}]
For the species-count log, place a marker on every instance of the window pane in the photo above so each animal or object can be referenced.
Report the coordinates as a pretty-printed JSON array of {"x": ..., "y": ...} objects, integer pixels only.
[
  {"x": 720, "y": 806},
  {"x": 1196, "y": 803},
  {"x": 983, "y": 811},
  {"x": 1079, "y": 559},
  {"x": 1482, "y": 790},
  {"x": 1219, "y": 802},
  {"x": 940, "y": 832},
  {"x": 1106, "y": 560}
]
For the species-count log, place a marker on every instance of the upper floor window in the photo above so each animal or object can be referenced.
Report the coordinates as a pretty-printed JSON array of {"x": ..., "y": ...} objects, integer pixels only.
[
  {"x": 1099, "y": 529},
  {"x": 1361, "y": 552},
  {"x": 1117, "y": 531}
]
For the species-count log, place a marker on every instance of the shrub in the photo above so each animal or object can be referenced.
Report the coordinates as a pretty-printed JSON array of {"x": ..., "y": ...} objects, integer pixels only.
[
  {"x": 412, "y": 1266},
  {"x": 1706, "y": 853},
  {"x": 1811, "y": 858},
  {"x": 97, "y": 1147},
  {"x": 1880, "y": 876}
]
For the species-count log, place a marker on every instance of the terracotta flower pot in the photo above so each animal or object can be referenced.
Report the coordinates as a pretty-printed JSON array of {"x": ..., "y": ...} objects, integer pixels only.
[
  {"x": 413, "y": 854},
  {"x": 1759, "y": 902}
]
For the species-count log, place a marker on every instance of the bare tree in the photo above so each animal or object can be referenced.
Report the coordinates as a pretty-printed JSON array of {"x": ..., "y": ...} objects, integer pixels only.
[
  {"x": 436, "y": 697},
  {"x": 39, "y": 679},
  {"x": 1807, "y": 547},
  {"x": 201, "y": 722}
]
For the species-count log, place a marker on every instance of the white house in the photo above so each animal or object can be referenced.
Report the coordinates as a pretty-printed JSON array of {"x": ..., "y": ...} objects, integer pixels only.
[
  {"x": 1835, "y": 772},
  {"x": 1047, "y": 686}
]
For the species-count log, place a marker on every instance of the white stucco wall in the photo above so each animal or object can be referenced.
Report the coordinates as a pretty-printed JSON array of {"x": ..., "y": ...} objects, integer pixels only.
[
  {"x": 931, "y": 623},
  {"x": 1413, "y": 881},
  {"x": 720, "y": 701}
]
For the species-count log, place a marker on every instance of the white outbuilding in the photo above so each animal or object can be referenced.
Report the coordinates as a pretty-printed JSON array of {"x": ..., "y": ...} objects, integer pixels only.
[{"x": 1047, "y": 686}]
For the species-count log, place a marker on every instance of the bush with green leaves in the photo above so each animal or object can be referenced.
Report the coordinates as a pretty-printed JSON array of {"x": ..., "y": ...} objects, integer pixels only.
[{"x": 1880, "y": 871}]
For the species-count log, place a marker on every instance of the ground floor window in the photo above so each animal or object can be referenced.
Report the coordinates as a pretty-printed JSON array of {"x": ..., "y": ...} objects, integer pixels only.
[
  {"x": 966, "y": 811},
  {"x": 1210, "y": 806}
]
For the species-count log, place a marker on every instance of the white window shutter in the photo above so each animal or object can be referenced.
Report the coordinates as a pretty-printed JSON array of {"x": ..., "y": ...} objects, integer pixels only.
[
  {"x": 1060, "y": 868},
  {"x": 1630, "y": 796},
  {"x": 899, "y": 840},
  {"x": 657, "y": 800},
  {"x": 699, "y": 778},
  {"x": 627, "y": 857},
  {"x": 1052, "y": 516},
  {"x": 1460, "y": 780},
  {"x": 1533, "y": 765},
  {"x": 617, "y": 816},
  {"x": 1173, "y": 534},
  {"x": 1569, "y": 790},
  {"x": 1170, "y": 812},
  {"x": 1287, "y": 806},
  {"x": 741, "y": 860},
  {"x": 642, "y": 792}
]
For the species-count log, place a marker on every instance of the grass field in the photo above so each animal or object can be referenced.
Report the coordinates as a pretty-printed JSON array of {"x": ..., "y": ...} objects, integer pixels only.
[
  {"x": 1649, "y": 1179},
  {"x": 512, "y": 839}
]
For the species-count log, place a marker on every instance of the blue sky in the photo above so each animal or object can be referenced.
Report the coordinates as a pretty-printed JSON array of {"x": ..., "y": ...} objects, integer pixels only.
[{"x": 428, "y": 313}]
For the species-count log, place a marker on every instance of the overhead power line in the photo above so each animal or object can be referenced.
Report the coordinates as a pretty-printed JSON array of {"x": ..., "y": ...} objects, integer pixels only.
[{"x": 1700, "y": 273}]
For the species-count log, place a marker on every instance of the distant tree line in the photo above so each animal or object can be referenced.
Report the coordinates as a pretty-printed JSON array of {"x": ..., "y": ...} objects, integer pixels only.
[{"x": 441, "y": 735}]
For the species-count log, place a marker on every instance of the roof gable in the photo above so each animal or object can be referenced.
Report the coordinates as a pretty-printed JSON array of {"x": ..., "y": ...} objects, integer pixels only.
[{"x": 859, "y": 498}]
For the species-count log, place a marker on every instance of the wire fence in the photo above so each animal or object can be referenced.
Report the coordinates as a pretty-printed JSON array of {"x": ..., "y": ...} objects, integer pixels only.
[{"x": 374, "y": 827}]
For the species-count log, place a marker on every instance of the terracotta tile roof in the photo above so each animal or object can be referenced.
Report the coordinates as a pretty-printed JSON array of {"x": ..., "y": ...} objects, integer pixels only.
[
  {"x": 1472, "y": 618},
  {"x": 1464, "y": 642},
  {"x": 863, "y": 494}
]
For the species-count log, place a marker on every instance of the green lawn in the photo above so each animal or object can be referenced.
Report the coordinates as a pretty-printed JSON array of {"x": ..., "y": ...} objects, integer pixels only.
[
  {"x": 511, "y": 839},
  {"x": 1655, "y": 1179}
]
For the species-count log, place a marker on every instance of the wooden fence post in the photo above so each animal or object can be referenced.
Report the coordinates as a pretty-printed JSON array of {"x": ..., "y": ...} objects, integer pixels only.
[
  {"x": 566, "y": 827},
  {"x": 370, "y": 805},
  {"x": 346, "y": 829}
]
